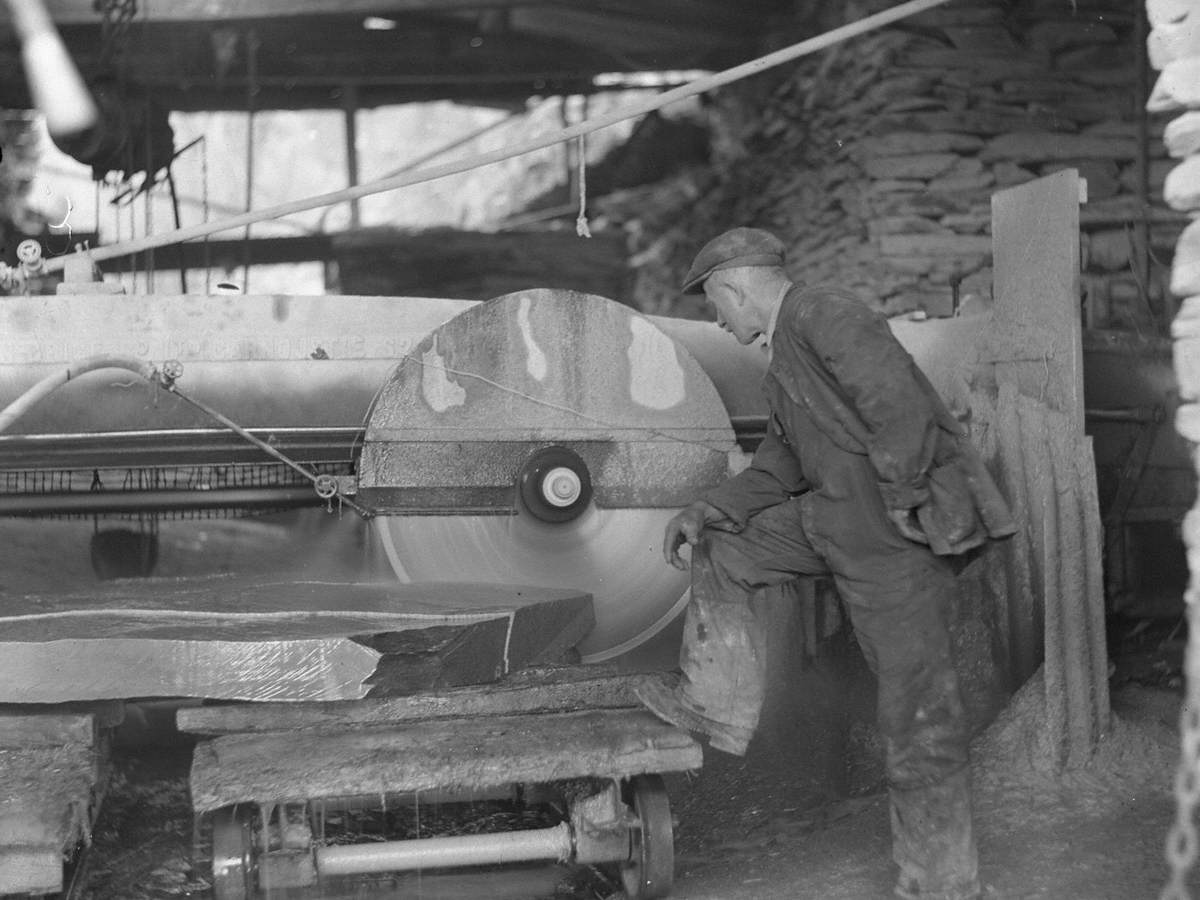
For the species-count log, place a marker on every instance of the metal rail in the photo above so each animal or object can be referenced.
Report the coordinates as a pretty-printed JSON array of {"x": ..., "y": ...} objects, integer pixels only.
[
  {"x": 173, "y": 447},
  {"x": 67, "y": 503}
]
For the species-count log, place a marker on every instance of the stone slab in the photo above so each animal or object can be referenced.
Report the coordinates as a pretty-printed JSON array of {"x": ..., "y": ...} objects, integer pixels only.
[{"x": 264, "y": 639}]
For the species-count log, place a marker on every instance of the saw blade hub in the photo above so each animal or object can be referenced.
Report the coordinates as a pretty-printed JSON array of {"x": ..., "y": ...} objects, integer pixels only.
[
  {"x": 554, "y": 485},
  {"x": 546, "y": 438},
  {"x": 561, "y": 486}
]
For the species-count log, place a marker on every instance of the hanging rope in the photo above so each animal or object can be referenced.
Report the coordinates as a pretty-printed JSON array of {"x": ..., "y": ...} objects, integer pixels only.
[{"x": 581, "y": 222}]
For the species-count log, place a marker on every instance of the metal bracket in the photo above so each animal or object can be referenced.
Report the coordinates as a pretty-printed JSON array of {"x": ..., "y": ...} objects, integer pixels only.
[{"x": 600, "y": 826}]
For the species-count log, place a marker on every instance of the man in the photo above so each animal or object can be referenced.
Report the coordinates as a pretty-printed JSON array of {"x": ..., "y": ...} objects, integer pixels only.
[{"x": 863, "y": 475}]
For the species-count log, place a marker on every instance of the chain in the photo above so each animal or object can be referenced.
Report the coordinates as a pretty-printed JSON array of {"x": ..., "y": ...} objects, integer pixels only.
[{"x": 1182, "y": 840}]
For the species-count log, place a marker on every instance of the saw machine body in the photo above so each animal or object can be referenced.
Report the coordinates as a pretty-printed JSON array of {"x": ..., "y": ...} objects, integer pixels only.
[
  {"x": 542, "y": 438},
  {"x": 539, "y": 438}
]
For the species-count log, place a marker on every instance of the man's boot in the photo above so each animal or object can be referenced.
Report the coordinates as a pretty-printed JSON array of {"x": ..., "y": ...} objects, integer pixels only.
[
  {"x": 662, "y": 696},
  {"x": 933, "y": 841}
]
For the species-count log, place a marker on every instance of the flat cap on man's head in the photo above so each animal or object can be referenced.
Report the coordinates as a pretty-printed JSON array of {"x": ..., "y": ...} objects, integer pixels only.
[{"x": 733, "y": 249}]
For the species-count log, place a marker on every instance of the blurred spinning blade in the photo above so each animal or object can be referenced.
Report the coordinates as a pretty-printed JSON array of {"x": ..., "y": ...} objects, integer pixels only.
[
  {"x": 453, "y": 430},
  {"x": 614, "y": 554}
]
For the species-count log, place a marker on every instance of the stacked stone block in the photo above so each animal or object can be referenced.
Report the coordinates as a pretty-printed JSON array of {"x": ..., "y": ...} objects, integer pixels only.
[
  {"x": 1174, "y": 48},
  {"x": 876, "y": 160}
]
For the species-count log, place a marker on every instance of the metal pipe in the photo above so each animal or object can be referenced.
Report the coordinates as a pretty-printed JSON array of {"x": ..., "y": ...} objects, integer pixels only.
[
  {"x": 251, "y": 91},
  {"x": 53, "y": 382},
  {"x": 1137, "y": 414},
  {"x": 65, "y": 503},
  {"x": 446, "y": 852},
  {"x": 56, "y": 85},
  {"x": 350, "y": 116}
]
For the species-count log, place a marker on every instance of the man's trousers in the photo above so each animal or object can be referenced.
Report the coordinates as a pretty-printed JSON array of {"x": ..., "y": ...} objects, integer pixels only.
[{"x": 898, "y": 597}]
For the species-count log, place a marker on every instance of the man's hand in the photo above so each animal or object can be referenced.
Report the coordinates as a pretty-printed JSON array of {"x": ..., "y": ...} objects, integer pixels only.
[
  {"x": 906, "y": 523},
  {"x": 686, "y": 527}
]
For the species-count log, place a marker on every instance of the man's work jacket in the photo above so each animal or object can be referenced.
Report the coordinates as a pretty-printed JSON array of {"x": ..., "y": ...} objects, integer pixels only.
[{"x": 840, "y": 382}]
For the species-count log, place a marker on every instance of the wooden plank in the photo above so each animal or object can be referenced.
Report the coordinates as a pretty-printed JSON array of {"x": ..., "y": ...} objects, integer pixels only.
[
  {"x": 32, "y": 870},
  {"x": 1023, "y": 619},
  {"x": 21, "y": 727},
  {"x": 45, "y": 799},
  {"x": 264, "y": 639},
  {"x": 230, "y": 253},
  {"x": 561, "y": 689},
  {"x": 467, "y": 753},
  {"x": 454, "y": 263},
  {"x": 1035, "y": 232}
]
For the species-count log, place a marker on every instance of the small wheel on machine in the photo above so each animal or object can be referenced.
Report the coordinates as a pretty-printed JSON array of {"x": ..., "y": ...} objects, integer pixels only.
[
  {"x": 233, "y": 875},
  {"x": 650, "y": 870}
]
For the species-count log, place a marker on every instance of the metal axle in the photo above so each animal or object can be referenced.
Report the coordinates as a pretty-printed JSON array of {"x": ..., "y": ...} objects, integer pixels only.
[{"x": 445, "y": 852}]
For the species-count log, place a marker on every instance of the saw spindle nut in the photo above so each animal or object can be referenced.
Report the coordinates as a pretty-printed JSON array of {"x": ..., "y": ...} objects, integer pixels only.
[
  {"x": 561, "y": 487},
  {"x": 554, "y": 485}
]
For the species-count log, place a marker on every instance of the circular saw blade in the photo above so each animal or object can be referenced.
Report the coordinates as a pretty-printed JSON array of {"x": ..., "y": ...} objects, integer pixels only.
[
  {"x": 463, "y": 412},
  {"x": 614, "y": 554}
]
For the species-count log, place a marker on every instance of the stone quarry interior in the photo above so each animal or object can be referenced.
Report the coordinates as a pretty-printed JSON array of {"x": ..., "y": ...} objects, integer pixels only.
[{"x": 278, "y": 614}]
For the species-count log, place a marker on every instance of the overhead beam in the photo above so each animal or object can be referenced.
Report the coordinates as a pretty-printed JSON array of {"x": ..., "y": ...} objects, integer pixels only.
[
  {"x": 679, "y": 23},
  {"x": 199, "y": 93},
  {"x": 82, "y": 12},
  {"x": 406, "y": 179},
  {"x": 316, "y": 53}
]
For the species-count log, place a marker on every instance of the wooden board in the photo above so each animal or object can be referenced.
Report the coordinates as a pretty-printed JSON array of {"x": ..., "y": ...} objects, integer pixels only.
[
  {"x": 449, "y": 753},
  {"x": 559, "y": 689},
  {"x": 46, "y": 794},
  {"x": 25, "y": 727},
  {"x": 265, "y": 639},
  {"x": 1038, "y": 341}
]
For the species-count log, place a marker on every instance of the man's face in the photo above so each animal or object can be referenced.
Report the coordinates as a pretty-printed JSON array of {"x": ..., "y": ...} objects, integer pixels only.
[{"x": 732, "y": 313}]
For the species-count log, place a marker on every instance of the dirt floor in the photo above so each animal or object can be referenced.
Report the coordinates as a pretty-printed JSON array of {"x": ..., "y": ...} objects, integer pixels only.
[
  {"x": 795, "y": 819},
  {"x": 761, "y": 828}
]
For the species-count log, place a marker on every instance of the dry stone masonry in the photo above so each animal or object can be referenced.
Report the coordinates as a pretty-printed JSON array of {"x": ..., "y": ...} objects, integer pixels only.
[
  {"x": 1174, "y": 49},
  {"x": 876, "y": 160}
]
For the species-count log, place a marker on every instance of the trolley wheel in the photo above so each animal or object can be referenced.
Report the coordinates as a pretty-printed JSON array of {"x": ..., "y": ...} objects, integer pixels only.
[
  {"x": 232, "y": 855},
  {"x": 650, "y": 870}
]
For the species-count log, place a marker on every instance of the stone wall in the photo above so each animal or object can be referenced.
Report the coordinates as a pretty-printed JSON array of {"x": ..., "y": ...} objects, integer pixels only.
[
  {"x": 876, "y": 160},
  {"x": 1175, "y": 50}
]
